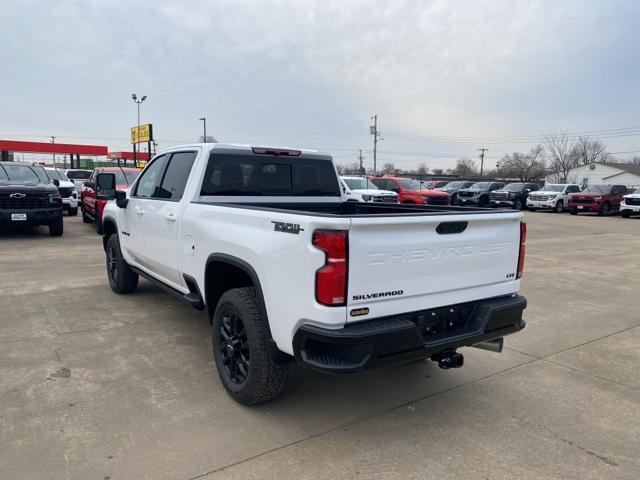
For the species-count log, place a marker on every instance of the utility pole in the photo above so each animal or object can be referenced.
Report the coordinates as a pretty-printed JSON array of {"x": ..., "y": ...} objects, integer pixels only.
[
  {"x": 362, "y": 172},
  {"x": 53, "y": 140},
  {"x": 482, "y": 150},
  {"x": 374, "y": 131}
]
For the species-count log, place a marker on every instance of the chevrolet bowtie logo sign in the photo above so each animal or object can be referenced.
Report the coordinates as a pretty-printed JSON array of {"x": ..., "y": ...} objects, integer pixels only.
[{"x": 18, "y": 195}]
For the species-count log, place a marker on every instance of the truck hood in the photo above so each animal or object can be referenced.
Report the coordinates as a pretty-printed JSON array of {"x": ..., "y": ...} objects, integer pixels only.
[
  {"x": 588, "y": 195},
  {"x": 27, "y": 188},
  {"x": 372, "y": 191},
  {"x": 428, "y": 192},
  {"x": 547, "y": 192},
  {"x": 632, "y": 195}
]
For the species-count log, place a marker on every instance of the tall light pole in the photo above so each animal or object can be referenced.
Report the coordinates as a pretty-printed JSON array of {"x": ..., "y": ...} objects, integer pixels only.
[
  {"x": 204, "y": 124},
  {"x": 138, "y": 101},
  {"x": 134, "y": 97},
  {"x": 53, "y": 140}
]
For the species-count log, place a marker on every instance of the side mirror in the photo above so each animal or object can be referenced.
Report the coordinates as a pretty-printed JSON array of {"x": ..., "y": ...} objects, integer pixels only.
[
  {"x": 121, "y": 199},
  {"x": 106, "y": 186},
  {"x": 56, "y": 182},
  {"x": 90, "y": 185}
]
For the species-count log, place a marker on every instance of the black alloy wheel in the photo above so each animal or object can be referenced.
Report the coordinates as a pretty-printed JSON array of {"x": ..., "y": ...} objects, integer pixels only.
[{"x": 234, "y": 347}]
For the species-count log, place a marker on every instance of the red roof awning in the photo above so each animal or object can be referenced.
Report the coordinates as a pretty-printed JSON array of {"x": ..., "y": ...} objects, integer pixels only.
[{"x": 46, "y": 147}]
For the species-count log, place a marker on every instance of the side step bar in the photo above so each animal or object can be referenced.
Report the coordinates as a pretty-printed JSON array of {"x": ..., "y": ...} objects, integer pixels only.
[{"x": 193, "y": 298}]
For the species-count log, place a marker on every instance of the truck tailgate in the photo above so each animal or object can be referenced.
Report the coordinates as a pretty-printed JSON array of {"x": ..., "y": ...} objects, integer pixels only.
[{"x": 403, "y": 264}]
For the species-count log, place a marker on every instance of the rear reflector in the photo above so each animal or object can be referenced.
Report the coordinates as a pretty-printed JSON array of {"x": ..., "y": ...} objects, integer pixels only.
[
  {"x": 523, "y": 239},
  {"x": 275, "y": 151},
  {"x": 331, "y": 278}
]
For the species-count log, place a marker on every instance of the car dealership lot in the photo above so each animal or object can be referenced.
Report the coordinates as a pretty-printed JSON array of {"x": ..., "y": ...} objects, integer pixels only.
[{"x": 95, "y": 385}]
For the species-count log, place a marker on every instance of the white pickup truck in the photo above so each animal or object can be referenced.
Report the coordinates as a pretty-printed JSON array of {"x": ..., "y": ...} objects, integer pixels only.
[{"x": 288, "y": 270}]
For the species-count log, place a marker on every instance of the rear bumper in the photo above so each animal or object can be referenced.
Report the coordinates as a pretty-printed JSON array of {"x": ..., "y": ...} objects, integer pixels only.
[
  {"x": 407, "y": 337},
  {"x": 42, "y": 216}
]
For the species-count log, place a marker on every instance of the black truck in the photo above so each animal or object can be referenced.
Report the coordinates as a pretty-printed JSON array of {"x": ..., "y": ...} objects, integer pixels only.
[
  {"x": 28, "y": 200},
  {"x": 513, "y": 195}
]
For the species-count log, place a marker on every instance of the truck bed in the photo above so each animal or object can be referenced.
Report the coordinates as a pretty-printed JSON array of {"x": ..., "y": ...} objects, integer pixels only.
[{"x": 358, "y": 209}]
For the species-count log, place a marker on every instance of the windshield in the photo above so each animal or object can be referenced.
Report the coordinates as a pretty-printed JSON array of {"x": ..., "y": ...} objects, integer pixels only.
[
  {"x": 410, "y": 184},
  {"x": 55, "y": 173},
  {"x": 359, "y": 184},
  {"x": 79, "y": 174},
  {"x": 131, "y": 175},
  {"x": 597, "y": 189},
  {"x": 452, "y": 185},
  {"x": 125, "y": 177},
  {"x": 480, "y": 186},
  {"x": 19, "y": 173},
  {"x": 514, "y": 187},
  {"x": 554, "y": 188}
]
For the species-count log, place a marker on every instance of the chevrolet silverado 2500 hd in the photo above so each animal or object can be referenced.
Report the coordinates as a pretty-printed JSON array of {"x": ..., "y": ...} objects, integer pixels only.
[{"x": 288, "y": 270}]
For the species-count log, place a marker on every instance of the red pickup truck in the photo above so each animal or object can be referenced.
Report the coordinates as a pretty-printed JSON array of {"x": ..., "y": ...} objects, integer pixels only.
[
  {"x": 602, "y": 199},
  {"x": 92, "y": 208},
  {"x": 411, "y": 191}
]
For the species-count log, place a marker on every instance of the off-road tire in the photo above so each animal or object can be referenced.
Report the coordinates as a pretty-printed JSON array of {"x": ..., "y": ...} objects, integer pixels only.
[
  {"x": 121, "y": 278},
  {"x": 265, "y": 378},
  {"x": 85, "y": 218},
  {"x": 517, "y": 204},
  {"x": 72, "y": 212},
  {"x": 573, "y": 212},
  {"x": 56, "y": 228},
  {"x": 559, "y": 207},
  {"x": 625, "y": 214},
  {"x": 605, "y": 209}
]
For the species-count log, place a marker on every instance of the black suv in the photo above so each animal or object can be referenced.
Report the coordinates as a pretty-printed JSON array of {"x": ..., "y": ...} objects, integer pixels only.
[
  {"x": 27, "y": 199},
  {"x": 513, "y": 195},
  {"x": 477, "y": 194}
]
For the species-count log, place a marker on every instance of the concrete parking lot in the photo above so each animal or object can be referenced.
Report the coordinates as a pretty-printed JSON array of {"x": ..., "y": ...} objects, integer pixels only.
[{"x": 99, "y": 386}]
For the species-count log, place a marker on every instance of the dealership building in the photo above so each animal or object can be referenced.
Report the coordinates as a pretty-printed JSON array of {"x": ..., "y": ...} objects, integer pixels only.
[{"x": 602, "y": 173}]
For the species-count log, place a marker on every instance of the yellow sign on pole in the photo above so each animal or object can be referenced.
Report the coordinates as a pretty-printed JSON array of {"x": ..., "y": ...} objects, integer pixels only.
[{"x": 142, "y": 133}]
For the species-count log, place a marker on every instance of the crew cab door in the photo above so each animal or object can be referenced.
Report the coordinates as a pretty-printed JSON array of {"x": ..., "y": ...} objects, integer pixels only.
[
  {"x": 133, "y": 233},
  {"x": 617, "y": 192},
  {"x": 161, "y": 213}
]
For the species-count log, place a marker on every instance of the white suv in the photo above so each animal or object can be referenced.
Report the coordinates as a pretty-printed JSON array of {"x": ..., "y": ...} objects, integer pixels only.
[
  {"x": 361, "y": 189},
  {"x": 552, "y": 196}
]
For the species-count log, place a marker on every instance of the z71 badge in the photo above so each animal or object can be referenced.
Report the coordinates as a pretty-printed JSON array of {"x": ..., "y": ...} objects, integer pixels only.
[{"x": 287, "y": 227}]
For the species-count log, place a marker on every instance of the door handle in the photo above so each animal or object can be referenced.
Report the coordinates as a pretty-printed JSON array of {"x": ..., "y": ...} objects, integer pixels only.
[
  {"x": 170, "y": 217},
  {"x": 139, "y": 211}
]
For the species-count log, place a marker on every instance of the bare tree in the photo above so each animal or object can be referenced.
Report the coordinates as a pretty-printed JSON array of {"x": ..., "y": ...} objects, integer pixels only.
[
  {"x": 465, "y": 167},
  {"x": 586, "y": 150},
  {"x": 422, "y": 168},
  {"x": 438, "y": 171},
  {"x": 563, "y": 158},
  {"x": 388, "y": 168},
  {"x": 209, "y": 139},
  {"x": 635, "y": 160},
  {"x": 525, "y": 166}
]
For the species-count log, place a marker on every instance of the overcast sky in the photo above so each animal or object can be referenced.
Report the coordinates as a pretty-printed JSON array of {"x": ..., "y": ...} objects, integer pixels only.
[{"x": 310, "y": 73}]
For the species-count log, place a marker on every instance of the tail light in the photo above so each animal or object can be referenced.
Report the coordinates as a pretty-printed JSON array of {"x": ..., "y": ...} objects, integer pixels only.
[
  {"x": 331, "y": 278},
  {"x": 523, "y": 239}
]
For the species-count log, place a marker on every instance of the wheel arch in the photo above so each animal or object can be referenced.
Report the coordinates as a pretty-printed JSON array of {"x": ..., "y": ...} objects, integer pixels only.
[
  {"x": 233, "y": 272},
  {"x": 224, "y": 272},
  {"x": 109, "y": 227}
]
